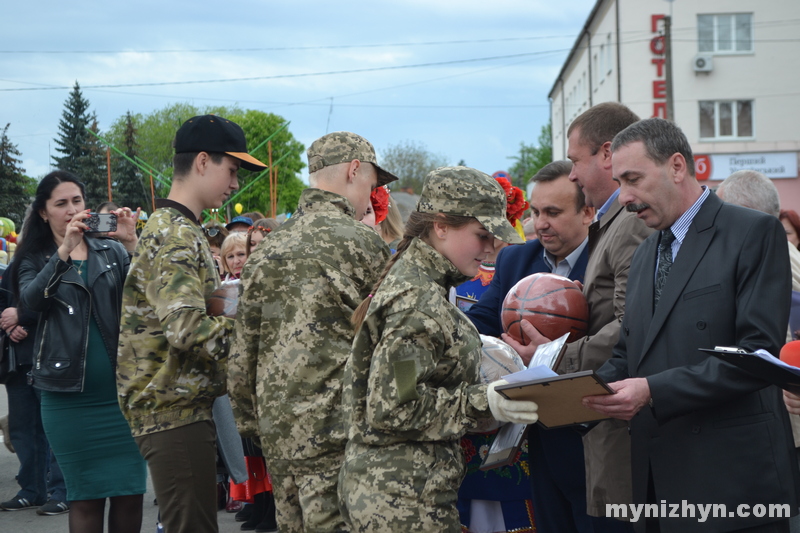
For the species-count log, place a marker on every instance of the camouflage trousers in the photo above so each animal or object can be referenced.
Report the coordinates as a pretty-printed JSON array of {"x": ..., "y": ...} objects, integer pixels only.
[
  {"x": 307, "y": 503},
  {"x": 402, "y": 487}
]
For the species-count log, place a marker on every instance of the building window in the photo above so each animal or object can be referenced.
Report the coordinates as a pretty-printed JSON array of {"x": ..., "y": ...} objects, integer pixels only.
[
  {"x": 609, "y": 62},
  {"x": 726, "y": 119},
  {"x": 725, "y": 34}
]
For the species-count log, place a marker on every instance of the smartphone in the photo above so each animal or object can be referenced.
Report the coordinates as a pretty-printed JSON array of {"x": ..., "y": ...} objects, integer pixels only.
[{"x": 101, "y": 222}]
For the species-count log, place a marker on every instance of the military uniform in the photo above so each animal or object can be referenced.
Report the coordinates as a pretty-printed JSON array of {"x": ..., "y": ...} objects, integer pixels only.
[
  {"x": 411, "y": 392},
  {"x": 171, "y": 365},
  {"x": 171, "y": 361},
  {"x": 292, "y": 337},
  {"x": 412, "y": 385}
]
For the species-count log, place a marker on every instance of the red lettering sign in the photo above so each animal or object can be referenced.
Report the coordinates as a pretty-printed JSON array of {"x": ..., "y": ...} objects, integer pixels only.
[
  {"x": 657, "y": 45},
  {"x": 659, "y": 109},
  {"x": 654, "y": 22},
  {"x": 659, "y": 88},
  {"x": 659, "y": 63},
  {"x": 702, "y": 167}
]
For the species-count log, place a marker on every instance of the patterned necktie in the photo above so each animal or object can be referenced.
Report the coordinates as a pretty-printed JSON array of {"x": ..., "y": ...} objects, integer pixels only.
[{"x": 664, "y": 262}]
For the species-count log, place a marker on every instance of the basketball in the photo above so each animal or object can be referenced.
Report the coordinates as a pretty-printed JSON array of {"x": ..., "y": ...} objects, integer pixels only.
[
  {"x": 224, "y": 301},
  {"x": 555, "y": 305}
]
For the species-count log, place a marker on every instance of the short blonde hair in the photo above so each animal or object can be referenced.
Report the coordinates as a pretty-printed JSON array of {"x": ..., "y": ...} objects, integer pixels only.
[{"x": 234, "y": 240}]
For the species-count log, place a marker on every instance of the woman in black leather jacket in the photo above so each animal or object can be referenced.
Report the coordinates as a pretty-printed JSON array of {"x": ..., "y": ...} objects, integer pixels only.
[{"x": 74, "y": 282}]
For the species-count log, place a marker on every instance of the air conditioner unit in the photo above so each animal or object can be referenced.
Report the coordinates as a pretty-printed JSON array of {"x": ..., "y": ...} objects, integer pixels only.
[{"x": 703, "y": 63}]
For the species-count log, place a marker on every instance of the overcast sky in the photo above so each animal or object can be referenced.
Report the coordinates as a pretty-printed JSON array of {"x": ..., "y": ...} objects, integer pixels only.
[{"x": 488, "y": 67}]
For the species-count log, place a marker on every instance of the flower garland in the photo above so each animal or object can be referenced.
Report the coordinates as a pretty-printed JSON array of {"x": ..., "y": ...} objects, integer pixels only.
[
  {"x": 515, "y": 204},
  {"x": 380, "y": 203}
]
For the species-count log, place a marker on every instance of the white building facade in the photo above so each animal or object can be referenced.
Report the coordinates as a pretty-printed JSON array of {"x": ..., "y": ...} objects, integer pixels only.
[{"x": 735, "y": 79}]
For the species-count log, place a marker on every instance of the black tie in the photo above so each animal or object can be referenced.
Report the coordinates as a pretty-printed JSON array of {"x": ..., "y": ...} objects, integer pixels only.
[{"x": 664, "y": 262}]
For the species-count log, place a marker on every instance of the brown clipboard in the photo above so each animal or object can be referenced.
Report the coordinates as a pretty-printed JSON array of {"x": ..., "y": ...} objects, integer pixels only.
[{"x": 559, "y": 397}]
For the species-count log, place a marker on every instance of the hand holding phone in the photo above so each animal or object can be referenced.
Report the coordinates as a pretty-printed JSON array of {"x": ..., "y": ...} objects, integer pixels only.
[{"x": 101, "y": 222}]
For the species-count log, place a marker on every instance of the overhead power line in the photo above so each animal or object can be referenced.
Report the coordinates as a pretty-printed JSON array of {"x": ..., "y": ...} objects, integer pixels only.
[{"x": 284, "y": 76}]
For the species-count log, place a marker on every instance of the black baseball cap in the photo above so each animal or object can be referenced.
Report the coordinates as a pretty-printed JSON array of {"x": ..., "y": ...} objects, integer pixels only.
[{"x": 210, "y": 133}]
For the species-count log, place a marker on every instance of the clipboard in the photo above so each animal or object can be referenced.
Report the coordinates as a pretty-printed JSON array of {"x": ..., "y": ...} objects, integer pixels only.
[
  {"x": 505, "y": 446},
  {"x": 559, "y": 398},
  {"x": 757, "y": 366}
]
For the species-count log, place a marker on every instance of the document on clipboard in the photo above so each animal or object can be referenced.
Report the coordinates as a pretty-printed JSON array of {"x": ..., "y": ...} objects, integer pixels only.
[
  {"x": 761, "y": 364},
  {"x": 509, "y": 438},
  {"x": 560, "y": 397}
]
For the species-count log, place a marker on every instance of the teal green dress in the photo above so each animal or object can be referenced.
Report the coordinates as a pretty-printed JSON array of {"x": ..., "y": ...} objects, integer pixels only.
[{"x": 88, "y": 434}]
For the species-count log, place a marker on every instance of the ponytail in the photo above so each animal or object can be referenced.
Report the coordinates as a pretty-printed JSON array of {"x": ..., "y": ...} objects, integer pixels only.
[{"x": 418, "y": 225}]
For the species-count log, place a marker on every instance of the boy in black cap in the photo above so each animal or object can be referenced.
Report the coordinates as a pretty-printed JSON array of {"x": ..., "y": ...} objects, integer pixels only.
[{"x": 172, "y": 357}]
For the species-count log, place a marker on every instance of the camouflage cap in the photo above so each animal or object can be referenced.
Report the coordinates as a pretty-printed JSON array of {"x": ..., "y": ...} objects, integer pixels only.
[
  {"x": 343, "y": 147},
  {"x": 468, "y": 192}
]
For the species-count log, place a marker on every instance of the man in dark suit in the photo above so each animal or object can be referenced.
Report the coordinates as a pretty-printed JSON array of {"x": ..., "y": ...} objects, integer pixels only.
[
  {"x": 702, "y": 431},
  {"x": 562, "y": 219}
]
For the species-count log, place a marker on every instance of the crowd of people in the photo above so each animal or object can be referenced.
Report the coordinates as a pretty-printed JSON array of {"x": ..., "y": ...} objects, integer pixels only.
[{"x": 352, "y": 366}]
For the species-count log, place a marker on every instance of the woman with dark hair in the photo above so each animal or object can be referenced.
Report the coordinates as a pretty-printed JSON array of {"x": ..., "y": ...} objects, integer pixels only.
[
  {"x": 791, "y": 223},
  {"x": 75, "y": 283}
]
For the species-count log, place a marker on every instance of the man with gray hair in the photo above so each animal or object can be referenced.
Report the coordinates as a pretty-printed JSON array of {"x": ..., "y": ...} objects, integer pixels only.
[
  {"x": 750, "y": 188},
  {"x": 292, "y": 334}
]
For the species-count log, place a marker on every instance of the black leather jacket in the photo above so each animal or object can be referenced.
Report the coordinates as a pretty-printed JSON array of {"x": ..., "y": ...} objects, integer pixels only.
[{"x": 54, "y": 289}]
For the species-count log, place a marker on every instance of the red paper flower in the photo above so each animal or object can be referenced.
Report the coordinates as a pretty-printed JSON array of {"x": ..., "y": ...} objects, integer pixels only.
[
  {"x": 515, "y": 201},
  {"x": 380, "y": 203}
]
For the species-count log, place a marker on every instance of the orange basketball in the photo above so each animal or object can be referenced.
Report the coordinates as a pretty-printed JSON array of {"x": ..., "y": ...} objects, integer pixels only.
[
  {"x": 224, "y": 301},
  {"x": 553, "y": 304}
]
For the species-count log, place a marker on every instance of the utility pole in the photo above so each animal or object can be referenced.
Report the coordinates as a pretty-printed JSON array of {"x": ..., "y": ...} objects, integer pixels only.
[{"x": 668, "y": 65}]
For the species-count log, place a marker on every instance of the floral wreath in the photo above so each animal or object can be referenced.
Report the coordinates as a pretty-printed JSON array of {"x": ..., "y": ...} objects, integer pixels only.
[
  {"x": 515, "y": 204},
  {"x": 380, "y": 203}
]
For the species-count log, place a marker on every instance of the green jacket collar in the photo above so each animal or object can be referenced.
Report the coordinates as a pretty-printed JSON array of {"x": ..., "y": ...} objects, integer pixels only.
[{"x": 318, "y": 201}]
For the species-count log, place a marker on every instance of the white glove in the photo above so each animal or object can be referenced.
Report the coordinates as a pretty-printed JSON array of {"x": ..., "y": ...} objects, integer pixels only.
[{"x": 505, "y": 410}]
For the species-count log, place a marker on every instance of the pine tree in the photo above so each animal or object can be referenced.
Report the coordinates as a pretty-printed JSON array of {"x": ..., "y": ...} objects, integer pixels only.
[
  {"x": 84, "y": 155},
  {"x": 129, "y": 189},
  {"x": 13, "y": 196}
]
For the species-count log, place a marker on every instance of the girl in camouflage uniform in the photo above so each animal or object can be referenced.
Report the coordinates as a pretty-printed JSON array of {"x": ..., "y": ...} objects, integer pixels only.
[{"x": 411, "y": 386}]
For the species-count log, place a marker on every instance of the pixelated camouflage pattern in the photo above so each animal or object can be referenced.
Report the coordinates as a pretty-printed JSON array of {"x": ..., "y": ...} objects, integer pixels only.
[
  {"x": 172, "y": 355},
  {"x": 413, "y": 374},
  {"x": 412, "y": 389},
  {"x": 343, "y": 147},
  {"x": 468, "y": 192},
  {"x": 408, "y": 487},
  {"x": 292, "y": 334},
  {"x": 308, "y": 502}
]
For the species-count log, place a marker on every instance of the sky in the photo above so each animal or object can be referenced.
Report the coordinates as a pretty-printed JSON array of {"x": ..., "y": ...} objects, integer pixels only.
[{"x": 467, "y": 79}]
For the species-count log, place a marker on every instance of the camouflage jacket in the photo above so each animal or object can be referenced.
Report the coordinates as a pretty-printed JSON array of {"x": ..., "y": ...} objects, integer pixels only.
[
  {"x": 413, "y": 371},
  {"x": 171, "y": 359},
  {"x": 292, "y": 335}
]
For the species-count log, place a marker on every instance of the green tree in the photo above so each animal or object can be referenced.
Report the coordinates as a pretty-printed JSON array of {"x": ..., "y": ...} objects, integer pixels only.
[
  {"x": 128, "y": 185},
  {"x": 83, "y": 154},
  {"x": 410, "y": 161},
  {"x": 13, "y": 182},
  {"x": 532, "y": 158},
  {"x": 156, "y": 131},
  {"x": 287, "y": 156}
]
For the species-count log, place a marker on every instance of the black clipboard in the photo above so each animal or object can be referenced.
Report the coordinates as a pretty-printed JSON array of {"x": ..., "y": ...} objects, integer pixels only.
[
  {"x": 505, "y": 446},
  {"x": 559, "y": 397},
  {"x": 761, "y": 368}
]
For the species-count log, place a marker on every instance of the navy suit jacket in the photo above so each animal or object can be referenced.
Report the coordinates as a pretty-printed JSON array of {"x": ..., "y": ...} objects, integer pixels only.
[{"x": 513, "y": 264}]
